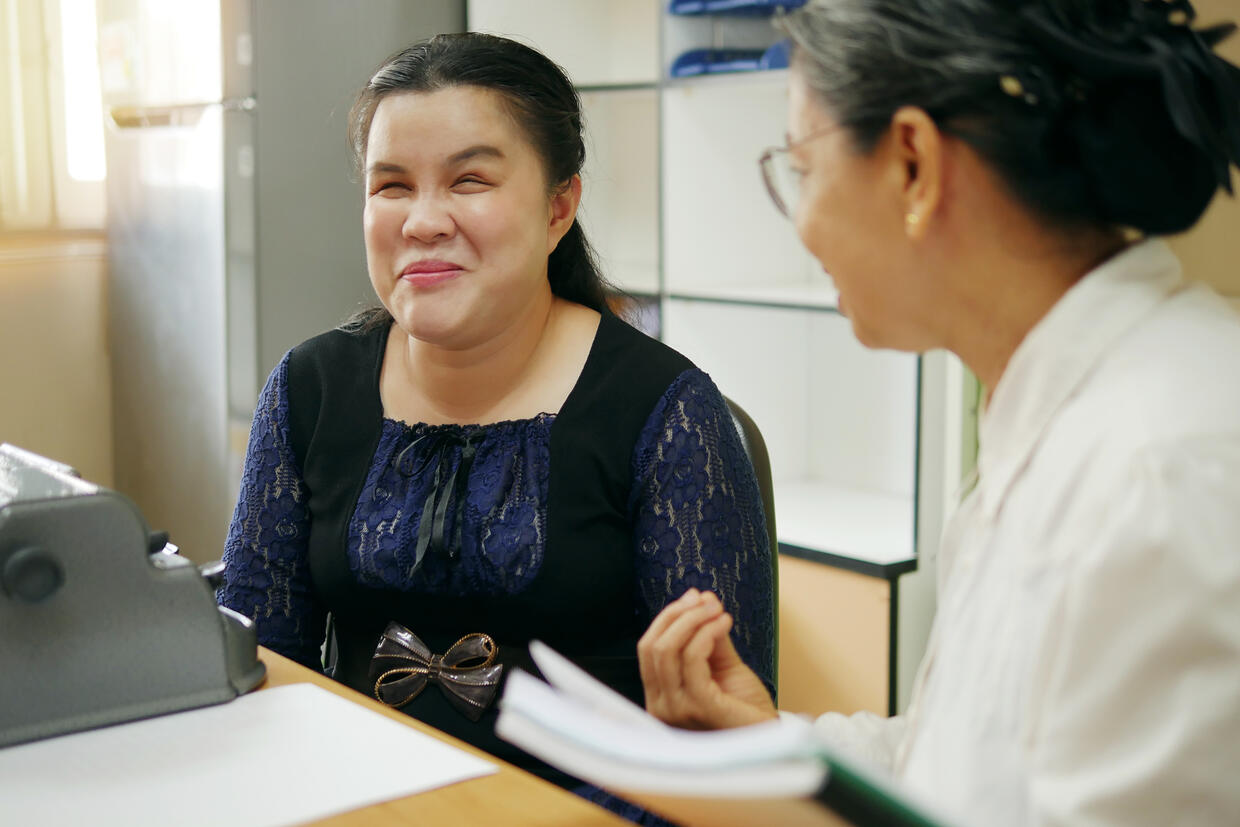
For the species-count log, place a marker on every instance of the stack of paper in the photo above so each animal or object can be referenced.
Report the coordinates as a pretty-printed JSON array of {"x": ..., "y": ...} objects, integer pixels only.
[{"x": 284, "y": 755}]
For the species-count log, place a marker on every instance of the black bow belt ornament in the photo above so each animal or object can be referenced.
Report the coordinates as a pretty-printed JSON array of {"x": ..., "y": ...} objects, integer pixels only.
[{"x": 467, "y": 673}]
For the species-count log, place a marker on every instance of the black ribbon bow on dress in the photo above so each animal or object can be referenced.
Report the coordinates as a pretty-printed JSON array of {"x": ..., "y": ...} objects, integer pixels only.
[
  {"x": 447, "y": 491},
  {"x": 467, "y": 673},
  {"x": 1194, "y": 81}
]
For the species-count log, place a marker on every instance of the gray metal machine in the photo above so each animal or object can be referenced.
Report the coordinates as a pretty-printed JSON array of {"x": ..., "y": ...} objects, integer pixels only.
[{"x": 100, "y": 620}]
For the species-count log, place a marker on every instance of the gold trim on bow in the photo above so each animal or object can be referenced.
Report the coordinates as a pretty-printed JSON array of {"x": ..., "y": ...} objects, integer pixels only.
[{"x": 467, "y": 673}]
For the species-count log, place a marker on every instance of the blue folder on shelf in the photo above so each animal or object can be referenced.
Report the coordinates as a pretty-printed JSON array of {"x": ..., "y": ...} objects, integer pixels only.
[
  {"x": 715, "y": 61},
  {"x": 776, "y": 57},
  {"x": 756, "y": 8},
  {"x": 719, "y": 61}
]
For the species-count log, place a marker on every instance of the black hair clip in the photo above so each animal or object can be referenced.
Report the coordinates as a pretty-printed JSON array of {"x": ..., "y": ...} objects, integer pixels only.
[
  {"x": 1174, "y": 12},
  {"x": 1164, "y": 48},
  {"x": 1030, "y": 85},
  {"x": 1011, "y": 85}
]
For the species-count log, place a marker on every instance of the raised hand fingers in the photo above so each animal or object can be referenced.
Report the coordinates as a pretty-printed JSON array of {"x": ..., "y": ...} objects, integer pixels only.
[
  {"x": 665, "y": 650},
  {"x": 672, "y": 611},
  {"x": 707, "y": 635},
  {"x": 660, "y": 649},
  {"x": 698, "y": 680}
]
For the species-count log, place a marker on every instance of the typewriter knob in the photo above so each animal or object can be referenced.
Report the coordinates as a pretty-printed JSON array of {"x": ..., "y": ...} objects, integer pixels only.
[{"x": 31, "y": 574}]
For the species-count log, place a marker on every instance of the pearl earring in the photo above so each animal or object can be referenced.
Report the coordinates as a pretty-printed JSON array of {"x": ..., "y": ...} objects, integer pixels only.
[{"x": 911, "y": 219}]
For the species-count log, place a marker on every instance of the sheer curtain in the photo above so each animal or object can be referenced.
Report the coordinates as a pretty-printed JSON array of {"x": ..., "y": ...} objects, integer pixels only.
[{"x": 51, "y": 132}]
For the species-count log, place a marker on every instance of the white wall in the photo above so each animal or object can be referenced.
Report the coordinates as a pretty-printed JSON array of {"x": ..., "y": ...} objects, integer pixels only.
[
  {"x": 1211, "y": 250},
  {"x": 55, "y": 382}
]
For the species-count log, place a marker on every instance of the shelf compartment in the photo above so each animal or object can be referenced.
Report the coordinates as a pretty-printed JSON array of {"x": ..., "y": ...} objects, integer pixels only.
[
  {"x": 839, "y": 421},
  {"x": 842, "y": 522},
  {"x": 620, "y": 186},
  {"x": 720, "y": 228},
  {"x": 599, "y": 43},
  {"x": 682, "y": 33}
]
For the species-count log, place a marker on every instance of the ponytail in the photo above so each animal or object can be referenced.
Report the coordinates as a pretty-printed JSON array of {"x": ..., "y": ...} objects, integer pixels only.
[{"x": 572, "y": 270}]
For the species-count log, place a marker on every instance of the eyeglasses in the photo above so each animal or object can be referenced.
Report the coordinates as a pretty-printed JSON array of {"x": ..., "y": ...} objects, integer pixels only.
[{"x": 783, "y": 181}]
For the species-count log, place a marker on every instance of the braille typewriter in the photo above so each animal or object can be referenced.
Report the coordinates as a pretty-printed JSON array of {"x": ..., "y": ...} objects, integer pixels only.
[{"x": 102, "y": 621}]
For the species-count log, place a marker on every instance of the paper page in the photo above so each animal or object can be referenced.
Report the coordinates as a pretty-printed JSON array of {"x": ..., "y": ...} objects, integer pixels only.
[
  {"x": 575, "y": 682},
  {"x": 666, "y": 747},
  {"x": 793, "y": 777},
  {"x": 280, "y": 756}
]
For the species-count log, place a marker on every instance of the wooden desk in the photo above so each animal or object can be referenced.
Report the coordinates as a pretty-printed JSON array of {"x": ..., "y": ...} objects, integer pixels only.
[{"x": 509, "y": 797}]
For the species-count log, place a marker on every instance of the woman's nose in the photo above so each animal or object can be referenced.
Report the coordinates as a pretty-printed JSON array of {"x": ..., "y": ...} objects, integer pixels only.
[{"x": 428, "y": 219}]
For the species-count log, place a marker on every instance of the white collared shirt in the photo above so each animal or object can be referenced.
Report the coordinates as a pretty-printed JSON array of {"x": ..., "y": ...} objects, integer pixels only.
[{"x": 1084, "y": 666}]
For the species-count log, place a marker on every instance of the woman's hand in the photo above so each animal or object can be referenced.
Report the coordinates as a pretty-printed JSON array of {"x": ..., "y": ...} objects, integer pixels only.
[{"x": 690, "y": 670}]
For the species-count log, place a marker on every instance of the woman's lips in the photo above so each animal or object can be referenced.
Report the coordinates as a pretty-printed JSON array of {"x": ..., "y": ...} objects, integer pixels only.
[{"x": 428, "y": 273}]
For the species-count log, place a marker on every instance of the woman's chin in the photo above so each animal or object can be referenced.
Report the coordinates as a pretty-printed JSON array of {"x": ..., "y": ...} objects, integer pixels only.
[
  {"x": 430, "y": 331},
  {"x": 863, "y": 333},
  {"x": 429, "y": 320}
]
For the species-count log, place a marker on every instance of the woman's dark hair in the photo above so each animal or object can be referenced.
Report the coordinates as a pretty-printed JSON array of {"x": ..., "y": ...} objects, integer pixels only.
[
  {"x": 538, "y": 96},
  {"x": 1096, "y": 113}
]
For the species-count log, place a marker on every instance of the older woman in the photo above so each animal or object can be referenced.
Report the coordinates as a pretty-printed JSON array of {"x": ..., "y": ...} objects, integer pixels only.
[{"x": 990, "y": 177}]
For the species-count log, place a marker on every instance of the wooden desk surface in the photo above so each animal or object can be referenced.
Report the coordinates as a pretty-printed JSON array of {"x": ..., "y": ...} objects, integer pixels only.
[{"x": 509, "y": 797}]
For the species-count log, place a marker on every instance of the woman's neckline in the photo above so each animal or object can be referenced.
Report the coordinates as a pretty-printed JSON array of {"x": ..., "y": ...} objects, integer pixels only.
[
  {"x": 587, "y": 366},
  {"x": 500, "y": 425}
]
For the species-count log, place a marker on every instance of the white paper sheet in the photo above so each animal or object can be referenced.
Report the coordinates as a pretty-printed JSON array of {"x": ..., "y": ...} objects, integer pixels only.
[{"x": 280, "y": 756}]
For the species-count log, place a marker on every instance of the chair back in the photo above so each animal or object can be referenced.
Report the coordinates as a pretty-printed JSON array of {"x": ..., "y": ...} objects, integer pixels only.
[{"x": 755, "y": 447}]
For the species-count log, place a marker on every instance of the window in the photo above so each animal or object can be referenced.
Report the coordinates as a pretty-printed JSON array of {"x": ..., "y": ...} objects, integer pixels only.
[{"x": 51, "y": 143}]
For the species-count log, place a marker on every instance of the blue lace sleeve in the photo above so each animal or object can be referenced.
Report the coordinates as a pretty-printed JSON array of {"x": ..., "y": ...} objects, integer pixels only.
[
  {"x": 266, "y": 567},
  {"x": 698, "y": 516}
]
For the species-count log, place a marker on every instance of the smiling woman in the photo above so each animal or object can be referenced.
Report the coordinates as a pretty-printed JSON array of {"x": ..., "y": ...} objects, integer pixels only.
[
  {"x": 490, "y": 456},
  {"x": 456, "y": 200}
]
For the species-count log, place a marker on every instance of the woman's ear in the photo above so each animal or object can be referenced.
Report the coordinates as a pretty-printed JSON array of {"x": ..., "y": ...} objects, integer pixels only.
[
  {"x": 918, "y": 147},
  {"x": 564, "y": 205}
]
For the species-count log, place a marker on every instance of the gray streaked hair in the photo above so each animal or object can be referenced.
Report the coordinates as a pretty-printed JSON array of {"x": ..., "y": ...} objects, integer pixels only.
[
  {"x": 866, "y": 58},
  {"x": 1082, "y": 148}
]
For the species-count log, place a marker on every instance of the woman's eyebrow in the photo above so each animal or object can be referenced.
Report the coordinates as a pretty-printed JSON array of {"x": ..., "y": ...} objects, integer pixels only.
[
  {"x": 478, "y": 150},
  {"x": 384, "y": 166}
]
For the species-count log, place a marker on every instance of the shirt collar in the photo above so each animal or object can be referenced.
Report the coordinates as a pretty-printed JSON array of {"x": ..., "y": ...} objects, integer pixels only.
[{"x": 1059, "y": 352}]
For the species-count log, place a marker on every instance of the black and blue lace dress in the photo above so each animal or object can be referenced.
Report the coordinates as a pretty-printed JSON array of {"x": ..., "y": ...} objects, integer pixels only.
[{"x": 575, "y": 528}]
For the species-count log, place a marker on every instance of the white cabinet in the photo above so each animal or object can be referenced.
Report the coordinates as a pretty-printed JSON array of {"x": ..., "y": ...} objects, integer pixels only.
[{"x": 865, "y": 445}]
